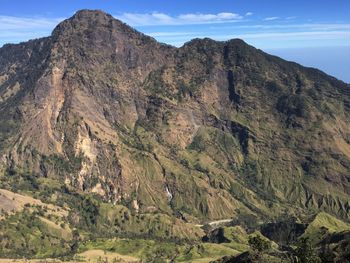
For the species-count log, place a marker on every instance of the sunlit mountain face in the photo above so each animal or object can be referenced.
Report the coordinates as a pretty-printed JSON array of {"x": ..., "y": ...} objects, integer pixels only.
[{"x": 114, "y": 145}]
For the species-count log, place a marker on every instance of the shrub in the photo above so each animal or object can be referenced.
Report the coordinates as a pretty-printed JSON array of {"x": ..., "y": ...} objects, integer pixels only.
[
  {"x": 258, "y": 244},
  {"x": 293, "y": 105},
  {"x": 305, "y": 252}
]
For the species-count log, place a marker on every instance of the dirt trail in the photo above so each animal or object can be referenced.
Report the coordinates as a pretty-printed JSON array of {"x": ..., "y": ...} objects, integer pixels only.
[{"x": 217, "y": 222}]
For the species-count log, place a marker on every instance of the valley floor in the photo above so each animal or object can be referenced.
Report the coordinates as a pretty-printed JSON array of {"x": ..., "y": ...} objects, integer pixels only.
[{"x": 91, "y": 256}]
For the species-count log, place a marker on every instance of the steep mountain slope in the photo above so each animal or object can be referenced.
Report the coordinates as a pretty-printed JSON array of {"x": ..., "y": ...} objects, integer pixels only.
[{"x": 211, "y": 130}]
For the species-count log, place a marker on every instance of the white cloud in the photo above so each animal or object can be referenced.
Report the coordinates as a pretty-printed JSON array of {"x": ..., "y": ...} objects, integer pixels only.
[
  {"x": 271, "y": 18},
  {"x": 281, "y": 32},
  {"x": 249, "y": 14},
  {"x": 282, "y": 35},
  {"x": 306, "y": 26},
  {"x": 276, "y": 36},
  {"x": 13, "y": 23},
  {"x": 17, "y": 29},
  {"x": 155, "y": 18},
  {"x": 171, "y": 34},
  {"x": 296, "y": 35}
]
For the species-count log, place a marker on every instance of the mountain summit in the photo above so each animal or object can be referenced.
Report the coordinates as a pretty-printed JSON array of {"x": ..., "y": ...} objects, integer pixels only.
[{"x": 209, "y": 131}]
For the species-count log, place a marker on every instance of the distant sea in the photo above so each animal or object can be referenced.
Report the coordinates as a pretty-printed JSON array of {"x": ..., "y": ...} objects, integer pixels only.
[{"x": 334, "y": 61}]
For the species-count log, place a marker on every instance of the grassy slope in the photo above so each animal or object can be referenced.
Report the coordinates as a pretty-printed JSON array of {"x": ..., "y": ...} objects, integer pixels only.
[{"x": 323, "y": 224}]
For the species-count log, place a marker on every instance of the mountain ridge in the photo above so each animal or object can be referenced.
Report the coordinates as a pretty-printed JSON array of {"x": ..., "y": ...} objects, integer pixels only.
[
  {"x": 106, "y": 135},
  {"x": 209, "y": 130}
]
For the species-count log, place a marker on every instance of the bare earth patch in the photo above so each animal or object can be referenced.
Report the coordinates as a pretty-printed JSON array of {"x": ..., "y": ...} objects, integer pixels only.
[{"x": 13, "y": 202}]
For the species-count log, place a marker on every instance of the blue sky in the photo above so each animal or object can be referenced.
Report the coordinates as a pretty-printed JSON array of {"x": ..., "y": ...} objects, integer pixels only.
[{"x": 314, "y": 33}]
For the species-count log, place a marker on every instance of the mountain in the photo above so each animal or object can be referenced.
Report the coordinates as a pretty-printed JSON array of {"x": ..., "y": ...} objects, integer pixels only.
[{"x": 128, "y": 135}]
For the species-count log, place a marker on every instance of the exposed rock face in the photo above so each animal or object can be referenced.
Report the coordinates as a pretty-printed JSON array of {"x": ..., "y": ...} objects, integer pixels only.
[{"x": 210, "y": 130}]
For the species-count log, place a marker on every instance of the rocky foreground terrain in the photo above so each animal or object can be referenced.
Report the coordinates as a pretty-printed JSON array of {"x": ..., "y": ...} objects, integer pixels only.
[{"x": 111, "y": 141}]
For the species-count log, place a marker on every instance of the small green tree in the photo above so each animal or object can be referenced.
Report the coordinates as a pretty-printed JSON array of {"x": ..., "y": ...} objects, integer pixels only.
[
  {"x": 75, "y": 241},
  {"x": 326, "y": 254},
  {"x": 258, "y": 244},
  {"x": 305, "y": 252}
]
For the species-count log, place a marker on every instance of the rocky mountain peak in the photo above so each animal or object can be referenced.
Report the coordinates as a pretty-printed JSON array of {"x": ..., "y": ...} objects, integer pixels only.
[
  {"x": 84, "y": 19},
  {"x": 95, "y": 25},
  {"x": 91, "y": 38}
]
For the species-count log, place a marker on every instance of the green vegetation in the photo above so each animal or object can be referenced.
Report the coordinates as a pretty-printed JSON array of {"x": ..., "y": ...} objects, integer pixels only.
[
  {"x": 156, "y": 84},
  {"x": 258, "y": 244},
  {"x": 305, "y": 252},
  {"x": 19, "y": 180},
  {"x": 60, "y": 164},
  {"x": 294, "y": 105},
  {"x": 323, "y": 224},
  {"x": 147, "y": 149},
  {"x": 25, "y": 234},
  {"x": 153, "y": 251}
]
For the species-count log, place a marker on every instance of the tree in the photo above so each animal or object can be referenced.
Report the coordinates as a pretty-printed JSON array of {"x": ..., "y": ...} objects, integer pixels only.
[
  {"x": 305, "y": 252},
  {"x": 326, "y": 254},
  {"x": 258, "y": 244},
  {"x": 75, "y": 241}
]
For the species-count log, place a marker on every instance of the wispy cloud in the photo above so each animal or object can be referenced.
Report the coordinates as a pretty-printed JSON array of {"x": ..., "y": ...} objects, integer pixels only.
[
  {"x": 23, "y": 23},
  {"x": 177, "y": 29},
  {"x": 156, "y": 18},
  {"x": 270, "y": 36},
  {"x": 172, "y": 34},
  {"x": 293, "y": 35},
  {"x": 271, "y": 18},
  {"x": 17, "y": 29},
  {"x": 294, "y": 26}
]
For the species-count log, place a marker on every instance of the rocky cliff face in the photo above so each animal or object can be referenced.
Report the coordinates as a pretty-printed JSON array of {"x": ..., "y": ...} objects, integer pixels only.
[{"x": 210, "y": 130}]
